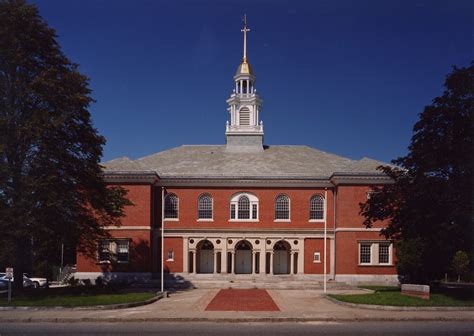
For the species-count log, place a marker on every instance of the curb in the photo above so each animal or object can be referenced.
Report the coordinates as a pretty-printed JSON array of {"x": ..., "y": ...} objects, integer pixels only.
[
  {"x": 400, "y": 308},
  {"x": 158, "y": 296},
  {"x": 231, "y": 320}
]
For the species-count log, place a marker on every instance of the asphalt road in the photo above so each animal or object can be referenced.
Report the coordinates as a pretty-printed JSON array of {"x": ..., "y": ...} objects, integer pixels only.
[{"x": 231, "y": 329}]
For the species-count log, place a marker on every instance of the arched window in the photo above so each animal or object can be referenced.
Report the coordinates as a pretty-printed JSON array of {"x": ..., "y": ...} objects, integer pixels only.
[
  {"x": 205, "y": 207},
  {"x": 244, "y": 207},
  {"x": 282, "y": 207},
  {"x": 316, "y": 207},
  {"x": 171, "y": 206},
  {"x": 244, "y": 116}
]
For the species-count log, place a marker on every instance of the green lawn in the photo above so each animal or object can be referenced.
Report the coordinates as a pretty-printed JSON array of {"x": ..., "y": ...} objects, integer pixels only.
[
  {"x": 77, "y": 300},
  {"x": 391, "y": 296}
]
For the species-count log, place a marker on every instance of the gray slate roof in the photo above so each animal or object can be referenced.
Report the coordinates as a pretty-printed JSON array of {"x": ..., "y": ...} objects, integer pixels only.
[{"x": 212, "y": 161}]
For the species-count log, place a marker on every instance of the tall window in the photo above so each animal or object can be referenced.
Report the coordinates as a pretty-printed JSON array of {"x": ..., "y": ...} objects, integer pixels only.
[
  {"x": 171, "y": 206},
  {"x": 244, "y": 116},
  {"x": 244, "y": 207},
  {"x": 316, "y": 208},
  {"x": 384, "y": 253},
  {"x": 365, "y": 253},
  {"x": 375, "y": 253},
  {"x": 114, "y": 250},
  {"x": 205, "y": 207},
  {"x": 282, "y": 207}
]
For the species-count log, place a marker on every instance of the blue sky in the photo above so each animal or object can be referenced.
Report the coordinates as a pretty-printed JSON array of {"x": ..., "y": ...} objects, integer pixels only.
[{"x": 347, "y": 77}]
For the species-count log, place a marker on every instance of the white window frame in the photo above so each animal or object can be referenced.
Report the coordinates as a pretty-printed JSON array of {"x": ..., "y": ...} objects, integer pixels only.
[
  {"x": 374, "y": 252},
  {"x": 389, "y": 253},
  {"x": 317, "y": 257},
  {"x": 113, "y": 251},
  {"x": 177, "y": 208},
  {"x": 212, "y": 209},
  {"x": 289, "y": 209},
  {"x": 253, "y": 200},
  {"x": 168, "y": 258},
  {"x": 322, "y": 220}
]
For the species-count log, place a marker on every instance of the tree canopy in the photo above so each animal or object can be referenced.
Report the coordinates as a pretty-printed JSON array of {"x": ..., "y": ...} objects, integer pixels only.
[
  {"x": 51, "y": 187},
  {"x": 429, "y": 205}
]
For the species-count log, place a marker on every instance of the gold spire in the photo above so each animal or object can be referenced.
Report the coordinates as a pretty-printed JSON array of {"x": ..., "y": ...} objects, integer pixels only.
[{"x": 245, "y": 30}]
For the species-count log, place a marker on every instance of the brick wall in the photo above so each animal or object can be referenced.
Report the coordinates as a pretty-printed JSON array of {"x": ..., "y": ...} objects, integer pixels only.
[
  {"x": 311, "y": 246},
  {"x": 299, "y": 203},
  {"x": 175, "y": 244}
]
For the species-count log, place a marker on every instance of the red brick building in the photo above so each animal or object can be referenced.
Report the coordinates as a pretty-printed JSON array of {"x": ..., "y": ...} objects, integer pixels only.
[{"x": 244, "y": 208}]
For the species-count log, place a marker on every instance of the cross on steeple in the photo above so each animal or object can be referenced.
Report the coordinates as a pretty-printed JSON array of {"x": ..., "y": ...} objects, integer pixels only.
[{"x": 245, "y": 30}]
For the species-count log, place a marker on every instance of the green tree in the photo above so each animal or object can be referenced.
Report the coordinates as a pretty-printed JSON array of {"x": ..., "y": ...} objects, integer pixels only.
[
  {"x": 460, "y": 264},
  {"x": 51, "y": 188},
  {"x": 429, "y": 205}
]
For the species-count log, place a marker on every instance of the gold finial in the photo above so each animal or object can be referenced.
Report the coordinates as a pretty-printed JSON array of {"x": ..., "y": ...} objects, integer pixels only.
[{"x": 245, "y": 30}]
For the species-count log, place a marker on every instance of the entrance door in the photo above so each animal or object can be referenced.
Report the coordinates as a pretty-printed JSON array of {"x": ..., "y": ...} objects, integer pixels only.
[
  {"x": 280, "y": 262},
  {"x": 243, "y": 261},
  {"x": 206, "y": 262}
]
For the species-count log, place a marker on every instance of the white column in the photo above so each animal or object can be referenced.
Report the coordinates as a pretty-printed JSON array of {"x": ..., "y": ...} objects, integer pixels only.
[
  {"x": 224, "y": 259},
  {"x": 215, "y": 262},
  {"x": 248, "y": 87},
  {"x": 254, "y": 262},
  {"x": 300, "y": 259},
  {"x": 292, "y": 262},
  {"x": 331, "y": 257},
  {"x": 194, "y": 262},
  {"x": 263, "y": 255},
  {"x": 186, "y": 256},
  {"x": 271, "y": 262},
  {"x": 241, "y": 86},
  {"x": 236, "y": 87},
  {"x": 232, "y": 262}
]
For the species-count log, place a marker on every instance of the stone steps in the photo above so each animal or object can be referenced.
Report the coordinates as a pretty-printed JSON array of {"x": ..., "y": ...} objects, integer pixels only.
[{"x": 220, "y": 281}]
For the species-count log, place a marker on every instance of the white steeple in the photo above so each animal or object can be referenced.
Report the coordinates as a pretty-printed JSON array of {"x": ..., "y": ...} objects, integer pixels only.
[{"x": 245, "y": 130}]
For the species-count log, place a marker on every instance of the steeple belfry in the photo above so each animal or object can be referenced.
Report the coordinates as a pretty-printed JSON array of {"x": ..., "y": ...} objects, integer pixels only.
[{"x": 244, "y": 132}]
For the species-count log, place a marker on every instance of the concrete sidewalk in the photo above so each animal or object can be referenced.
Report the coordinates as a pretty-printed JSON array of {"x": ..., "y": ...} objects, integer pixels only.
[{"x": 295, "y": 306}]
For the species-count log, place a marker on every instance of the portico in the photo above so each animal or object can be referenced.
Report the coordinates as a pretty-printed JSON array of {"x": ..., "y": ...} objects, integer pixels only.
[{"x": 240, "y": 255}]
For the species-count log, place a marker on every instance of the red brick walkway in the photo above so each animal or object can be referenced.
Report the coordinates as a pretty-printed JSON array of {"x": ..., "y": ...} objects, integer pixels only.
[{"x": 242, "y": 300}]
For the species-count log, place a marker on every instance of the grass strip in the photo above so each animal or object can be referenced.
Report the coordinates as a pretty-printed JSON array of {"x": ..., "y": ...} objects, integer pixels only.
[
  {"x": 78, "y": 300},
  {"x": 395, "y": 298}
]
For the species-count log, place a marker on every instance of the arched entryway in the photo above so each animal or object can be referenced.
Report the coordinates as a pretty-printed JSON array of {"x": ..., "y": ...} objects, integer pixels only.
[
  {"x": 281, "y": 257},
  {"x": 243, "y": 257},
  {"x": 205, "y": 257}
]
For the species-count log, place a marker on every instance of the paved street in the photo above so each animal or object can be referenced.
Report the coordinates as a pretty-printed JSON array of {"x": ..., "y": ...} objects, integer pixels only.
[
  {"x": 294, "y": 305},
  {"x": 233, "y": 329}
]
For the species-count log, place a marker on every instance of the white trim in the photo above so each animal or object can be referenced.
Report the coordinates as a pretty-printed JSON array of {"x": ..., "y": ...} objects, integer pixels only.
[
  {"x": 317, "y": 221},
  {"x": 253, "y": 200},
  {"x": 244, "y": 220},
  {"x": 172, "y": 255},
  {"x": 318, "y": 260},
  {"x": 282, "y": 220},
  {"x": 289, "y": 209},
  {"x": 324, "y": 207},
  {"x": 347, "y": 229},
  {"x": 374, "y": 252},
  {"x": 212, "y": 208},
  {"x": 171, "y": 219},
  {"x": 129, "y": 228}
]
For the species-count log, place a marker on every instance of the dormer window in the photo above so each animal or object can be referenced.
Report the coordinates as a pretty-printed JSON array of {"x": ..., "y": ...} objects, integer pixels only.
[{"x": 244, "y": 207}]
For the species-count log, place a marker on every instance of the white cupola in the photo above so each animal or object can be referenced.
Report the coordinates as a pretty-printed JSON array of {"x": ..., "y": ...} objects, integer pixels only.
[{"x": 244, "y": 132}]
